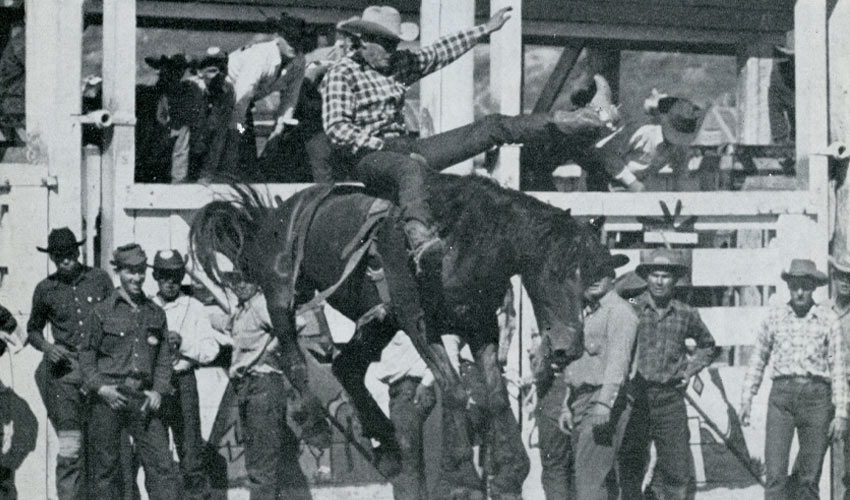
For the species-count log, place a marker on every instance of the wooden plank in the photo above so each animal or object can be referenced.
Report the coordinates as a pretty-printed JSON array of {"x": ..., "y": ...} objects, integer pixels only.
[
  {"x": 119, "y": 97},
  {"x": 713, "y": 267},
  {"x": 506, "y": 62},
  {"x": 754, "y": 68},
  {"x": 557, "y": 78},
  {"x": 733, "y": 18},
  {"x": 811, "y": 77}
]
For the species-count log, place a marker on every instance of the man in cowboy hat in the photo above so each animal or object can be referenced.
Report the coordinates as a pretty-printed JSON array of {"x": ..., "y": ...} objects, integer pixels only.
[
  {"x": 362, "y": 100},
  {"x": 193, "y": 343},
  {"x": 125, "y": 361},
  {"x": 221, "y": 157},
  {"x": 64, "y": 299},
  {"x": 662, "y": 372},
  {"x": 181, "y": 110},
  {"x": 277, "y": 65},
  {"x": 578, "y": 448},
  {"x": 661, "y": 144},
  {"x": 802, "y": 341}
]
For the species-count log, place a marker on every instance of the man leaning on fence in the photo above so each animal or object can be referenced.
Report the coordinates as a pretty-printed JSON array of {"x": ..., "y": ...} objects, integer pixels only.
[
  {"x": 809, "y": 394},
  {"x": 64, "y": 299}
]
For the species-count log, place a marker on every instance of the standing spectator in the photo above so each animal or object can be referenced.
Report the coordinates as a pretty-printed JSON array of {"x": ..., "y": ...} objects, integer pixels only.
[
  {"x": 7, "y": 476},
  {"x": 780, "y": 95},
  {"x": 260, "y": 69},
  {"x": 663, "y": 370},
  {"x": 65, "y": 299},
  {"x": 803, "y": 344},
  {"x": 13, "y": 87},
  {"x": 271, "y": 448},
  {"x": 220, "y": 159},
  {"x": 597, "y": 411},
  {"x": 362, "y": 101},
  {"x": 412, "y": 397},
  {"x": 193, "y": 343},
  {"x": 126, "y": 364}
]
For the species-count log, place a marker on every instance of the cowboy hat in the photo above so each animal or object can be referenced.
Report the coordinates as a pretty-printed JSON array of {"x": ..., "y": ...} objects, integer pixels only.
[
  {"x": 662, "y": 259},
  {"x": 629, "y": 285},
  {"x": 168, "y": 260},
  {"x": 128, "y": 255},
  {"x": 840, "y": 262},
  {"x": 213, "y": 57},
  {"x": 61, "y": 240},
  {"x": 384, "y": 21},
  {"x": 785, "y": 51},
  {"x": 804, "y": 268},
  {"x": 680, "y": 120}
]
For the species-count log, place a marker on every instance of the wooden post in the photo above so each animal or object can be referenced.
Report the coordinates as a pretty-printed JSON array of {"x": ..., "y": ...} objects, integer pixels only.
[
  {"x": 754, "y": 68},
  {"x": 506, "y": 84},
  {"x": 811, "y": 103},
  {"x": 53, "y": 71},
  {"x": 447, "y": 95},
  {"x": 119, "y": 97}
]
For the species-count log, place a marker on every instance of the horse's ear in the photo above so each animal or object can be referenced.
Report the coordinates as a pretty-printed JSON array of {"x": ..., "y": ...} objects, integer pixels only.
[
  {"x": 569, "y": 212},
  {"x": 597, "y": 223}
]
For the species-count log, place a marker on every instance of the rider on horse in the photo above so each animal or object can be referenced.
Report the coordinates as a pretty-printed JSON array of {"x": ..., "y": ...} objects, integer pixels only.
[{"x": 362, "y": 101}]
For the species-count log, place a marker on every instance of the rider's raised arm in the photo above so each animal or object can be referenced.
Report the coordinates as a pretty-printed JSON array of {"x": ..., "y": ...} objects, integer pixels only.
[{"x": 338, "y": 111}]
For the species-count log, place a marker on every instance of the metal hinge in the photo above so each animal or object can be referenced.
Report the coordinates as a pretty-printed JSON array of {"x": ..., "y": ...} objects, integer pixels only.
[{"x": 50, "y": 182}]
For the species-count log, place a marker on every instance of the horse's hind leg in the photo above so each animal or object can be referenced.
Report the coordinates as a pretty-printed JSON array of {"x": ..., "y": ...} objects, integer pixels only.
[
  {"x": 349, "y": 367},
  {"x": 508, "y": 463}
]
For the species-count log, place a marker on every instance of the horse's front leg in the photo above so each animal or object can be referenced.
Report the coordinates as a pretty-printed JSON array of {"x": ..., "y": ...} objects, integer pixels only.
[{"x": 508, "y": 464}]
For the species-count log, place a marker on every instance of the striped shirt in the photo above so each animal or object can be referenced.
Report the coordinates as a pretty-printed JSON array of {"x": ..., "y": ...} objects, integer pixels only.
[
  {"x": 361, "y": 105},
  {"x": 808, "y": 346}
]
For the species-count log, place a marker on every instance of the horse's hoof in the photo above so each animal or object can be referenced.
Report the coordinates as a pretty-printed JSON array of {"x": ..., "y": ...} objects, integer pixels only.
[{"x": 387, "y": 460}]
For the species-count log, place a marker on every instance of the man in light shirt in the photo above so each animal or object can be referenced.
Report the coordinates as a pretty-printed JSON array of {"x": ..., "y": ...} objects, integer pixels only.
[
  {"x": 809, "y": 394},
  {"x": 193, "y": 342}
]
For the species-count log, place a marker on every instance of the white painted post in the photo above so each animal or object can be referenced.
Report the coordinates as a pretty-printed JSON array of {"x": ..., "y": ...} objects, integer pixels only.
[
  {"x": 811, "y": 103},
  {"x": 447, "y": 96},
  {"x": 754, "y": 67},
  {"x": 53, "y": 73},
  {"x": 506, "y": 84},
  {"x": 119, "y": 97}
]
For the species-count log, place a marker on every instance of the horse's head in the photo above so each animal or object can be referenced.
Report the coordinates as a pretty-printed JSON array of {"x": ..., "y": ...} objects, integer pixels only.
[{"x": 571, "y": 256}]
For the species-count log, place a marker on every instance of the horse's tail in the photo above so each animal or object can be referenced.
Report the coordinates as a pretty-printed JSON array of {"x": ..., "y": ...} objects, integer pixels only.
[{"x": 224, "y": 227}]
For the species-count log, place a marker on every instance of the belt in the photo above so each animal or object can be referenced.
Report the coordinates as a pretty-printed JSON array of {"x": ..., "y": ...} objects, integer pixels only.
[{"x": 802, "y": 379}]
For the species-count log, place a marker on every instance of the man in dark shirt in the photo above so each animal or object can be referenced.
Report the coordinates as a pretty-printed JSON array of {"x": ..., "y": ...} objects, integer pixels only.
[
  {"x": 663, "y": 369},
  {"x": 64, "y": 299},
  {"x": 126, "y": 361}
]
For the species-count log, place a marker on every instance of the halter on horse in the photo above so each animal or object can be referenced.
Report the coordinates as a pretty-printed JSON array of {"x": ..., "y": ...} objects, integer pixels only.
[{"x": 491, "y": 234}]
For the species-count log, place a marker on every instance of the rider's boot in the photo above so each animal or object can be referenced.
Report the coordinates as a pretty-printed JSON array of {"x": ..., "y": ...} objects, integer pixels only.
[{"x": 425, "y": 246}]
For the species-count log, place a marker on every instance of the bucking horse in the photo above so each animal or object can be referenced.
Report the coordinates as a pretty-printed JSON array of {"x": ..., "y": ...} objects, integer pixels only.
[{"x": 345, "y": 245}]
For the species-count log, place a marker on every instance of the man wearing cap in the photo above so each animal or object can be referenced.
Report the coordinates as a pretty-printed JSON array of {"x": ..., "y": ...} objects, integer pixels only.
[
  {"x": 802, "y": 341},
  {"x": 126, "y": 365},
  {"x": 362, "y": 101},
  {"x": 596, "y": 410},
  {"x": 662, "y": 370},
  {"x": 260, "y": 69},
  {"x": 840, "y": 265},
  {"x": 193, "y": 343},
  {"x": 64, "y": 299}
]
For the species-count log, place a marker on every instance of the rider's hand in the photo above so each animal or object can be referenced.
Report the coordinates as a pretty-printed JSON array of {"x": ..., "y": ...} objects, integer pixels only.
[
  {"x": 113, "y": 398},
  {"x": 57, "y": 354},
  {"x": 599, "y": 415},
  {"x": 565, "y": 420},
  {"x": 498, "y": 20}
]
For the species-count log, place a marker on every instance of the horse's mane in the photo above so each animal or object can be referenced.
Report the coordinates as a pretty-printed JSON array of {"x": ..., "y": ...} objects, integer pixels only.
[{"x": 478, "y": 213}]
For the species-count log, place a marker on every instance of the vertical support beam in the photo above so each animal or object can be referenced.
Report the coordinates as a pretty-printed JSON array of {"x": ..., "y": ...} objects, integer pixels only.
[
  {"x": 506, "y": 84},
  {"x": 53, "y": 72},
  {"x": 754, "y": 68},
  {"x": 811, "y": 103},
  {"x": 447, "y": 95},
  {"x": 119, "y": 97}
]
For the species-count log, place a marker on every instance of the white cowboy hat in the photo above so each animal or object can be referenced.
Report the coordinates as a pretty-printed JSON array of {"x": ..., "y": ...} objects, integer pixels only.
[{"x": 382, "y": 21}]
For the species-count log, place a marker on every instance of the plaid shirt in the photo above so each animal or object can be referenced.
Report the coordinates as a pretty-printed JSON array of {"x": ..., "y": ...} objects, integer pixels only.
[
  {"x": 807, "y": 346},
  {"x": 661, "y": 352},
  {"x": 360, "y": 105}
]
